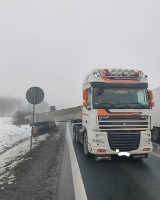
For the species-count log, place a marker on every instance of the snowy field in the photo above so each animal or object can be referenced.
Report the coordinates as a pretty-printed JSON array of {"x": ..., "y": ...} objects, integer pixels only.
[
  {"x": 14, "y": 144},
  {"x": 10, "y": 134}
]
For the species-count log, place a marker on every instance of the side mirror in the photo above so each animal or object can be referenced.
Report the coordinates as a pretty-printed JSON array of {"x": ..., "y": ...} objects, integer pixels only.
[
  {"x": 150, "y": 95},
  {"x": 85, "y": 104},
  {"x": 151, "y": 104},
  {"x": 85, "y": 95}
]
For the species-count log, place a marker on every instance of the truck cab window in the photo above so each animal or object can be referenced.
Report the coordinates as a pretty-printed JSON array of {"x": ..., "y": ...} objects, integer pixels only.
[{"x": 89, "y": 96}]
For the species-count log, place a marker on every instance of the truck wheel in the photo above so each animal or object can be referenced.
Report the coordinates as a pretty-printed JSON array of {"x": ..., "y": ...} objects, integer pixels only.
[
  {"x": 155, "y": 134},
  {"x": 77, "y": 134},
  {"x": 85, "y": 144},
  {"x": 77, "y": 139},
  {"x": 74, "y": 132}
]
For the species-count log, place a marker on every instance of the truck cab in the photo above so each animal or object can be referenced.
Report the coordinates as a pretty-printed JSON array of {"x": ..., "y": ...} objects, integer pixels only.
[{"x": 114, "y": 114}]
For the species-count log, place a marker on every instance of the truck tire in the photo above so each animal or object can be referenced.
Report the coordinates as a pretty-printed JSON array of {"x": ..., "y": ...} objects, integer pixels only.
[
  {"x": 155, "y": 134},
  {"x": 77, "y": 135},
  {"x": 85, "y": 144},
  {"x": 74, "y": 133}
]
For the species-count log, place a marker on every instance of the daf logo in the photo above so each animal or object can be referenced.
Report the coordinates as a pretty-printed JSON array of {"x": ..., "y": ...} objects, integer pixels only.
[{"x": 124, "y": 123}]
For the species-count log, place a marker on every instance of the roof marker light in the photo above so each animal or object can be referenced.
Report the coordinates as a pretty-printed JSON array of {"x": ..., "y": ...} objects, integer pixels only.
[
  {"x": 142, "y": 75},
  {"x": 120, "y": 72},
  {"x": 132, "y": 72},
  {"x": 113, "y": 72},
  {"x": 97, "y": 74},
  {"x": 126, "y": 72}
]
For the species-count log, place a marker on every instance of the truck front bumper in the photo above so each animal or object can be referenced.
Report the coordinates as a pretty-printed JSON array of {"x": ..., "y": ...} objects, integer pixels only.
[{"x": 107, "y": 151}]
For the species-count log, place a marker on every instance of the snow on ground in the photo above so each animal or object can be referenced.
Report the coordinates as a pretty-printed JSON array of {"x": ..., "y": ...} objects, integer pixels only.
[
  {"x": 11, "y": 134},
  {"x": 14, "y": 144}
]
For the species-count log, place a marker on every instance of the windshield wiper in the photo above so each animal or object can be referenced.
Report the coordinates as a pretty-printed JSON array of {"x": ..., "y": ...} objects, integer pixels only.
[
  {"x": 122, "y": 104},
  {"x": 117, "y": 104},
  {"x": 110, "y": 104},
  {"x": 139, "y": 104}
]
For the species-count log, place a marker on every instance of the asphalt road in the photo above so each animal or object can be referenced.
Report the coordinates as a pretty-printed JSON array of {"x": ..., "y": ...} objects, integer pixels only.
[{"x": 118, "y": 179}]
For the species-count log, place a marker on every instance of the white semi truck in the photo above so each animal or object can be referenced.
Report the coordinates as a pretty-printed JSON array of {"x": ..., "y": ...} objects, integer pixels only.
[
  {"x": 155, "y": 113},
  {"x": 115, "y": 114}
]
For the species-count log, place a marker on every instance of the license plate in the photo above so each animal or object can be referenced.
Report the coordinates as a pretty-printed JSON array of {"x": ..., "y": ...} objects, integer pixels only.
[
  {"x": 140, "y": 156},
  {"x": 102, "y": 157}
]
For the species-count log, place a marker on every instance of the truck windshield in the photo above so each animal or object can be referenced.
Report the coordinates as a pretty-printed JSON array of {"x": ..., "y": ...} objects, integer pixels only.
[{"x": 120, "y": 98}]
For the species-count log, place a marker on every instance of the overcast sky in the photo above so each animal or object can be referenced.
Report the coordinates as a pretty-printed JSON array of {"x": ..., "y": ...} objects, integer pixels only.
[{"x": 53, "y": 44}]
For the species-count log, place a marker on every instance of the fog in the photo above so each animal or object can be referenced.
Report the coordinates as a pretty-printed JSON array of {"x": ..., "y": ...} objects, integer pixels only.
[{"x": 53, "y": 44}]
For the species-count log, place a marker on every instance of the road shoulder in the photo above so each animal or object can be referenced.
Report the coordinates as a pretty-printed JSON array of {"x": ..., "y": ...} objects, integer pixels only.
[{"x": 37, "y": 178}]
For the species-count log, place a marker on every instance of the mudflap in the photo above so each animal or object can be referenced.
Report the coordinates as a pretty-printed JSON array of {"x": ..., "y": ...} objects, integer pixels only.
[{"x": 102, "y": 157}]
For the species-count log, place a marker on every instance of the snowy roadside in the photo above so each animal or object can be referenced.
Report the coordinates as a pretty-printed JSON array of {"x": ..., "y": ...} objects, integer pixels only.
[
  {"x": 15, "y": 155},
  {"x": 38, "y": 178},
  {"x": 11, "y": 135},
  {"x": 14, "y": 144}
]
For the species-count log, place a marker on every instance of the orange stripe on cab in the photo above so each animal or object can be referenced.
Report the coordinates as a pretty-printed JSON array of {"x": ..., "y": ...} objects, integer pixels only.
[{"x": 102, "y": 112}]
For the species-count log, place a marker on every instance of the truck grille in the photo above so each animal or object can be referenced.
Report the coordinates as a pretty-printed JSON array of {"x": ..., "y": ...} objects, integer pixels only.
[
  {"x": 123, "y": 123},
  {"x": 124, "y": 141}
]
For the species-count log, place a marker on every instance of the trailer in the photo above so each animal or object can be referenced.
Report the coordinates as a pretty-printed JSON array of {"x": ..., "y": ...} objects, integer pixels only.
[{"x": 155, "y": 113}]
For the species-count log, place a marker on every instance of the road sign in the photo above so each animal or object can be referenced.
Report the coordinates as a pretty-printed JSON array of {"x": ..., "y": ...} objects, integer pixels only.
[{"x": 35, "y": 95}]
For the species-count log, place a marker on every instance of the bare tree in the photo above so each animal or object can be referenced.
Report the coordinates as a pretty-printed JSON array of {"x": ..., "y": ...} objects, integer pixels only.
[
  {"x": 19, "y": 118},
  {"x": 8, "y": 105},
  {"x": 27, "y": 109}
]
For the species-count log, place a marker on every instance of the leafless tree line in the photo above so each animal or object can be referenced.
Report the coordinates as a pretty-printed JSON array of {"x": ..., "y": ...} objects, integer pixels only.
[
  {"x": 18, "y": 108},
  {"x": 19, "y": 115},
  {"x": 9, "y": 105}
]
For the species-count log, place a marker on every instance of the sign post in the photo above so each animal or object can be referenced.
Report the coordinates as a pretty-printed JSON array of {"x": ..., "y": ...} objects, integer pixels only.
[{"x": 34, "y": 95}]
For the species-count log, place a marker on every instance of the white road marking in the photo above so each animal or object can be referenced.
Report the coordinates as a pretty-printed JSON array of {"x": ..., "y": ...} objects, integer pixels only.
[{"x": 80, "y": 193}]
